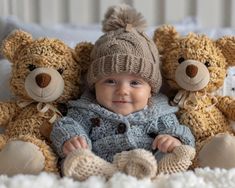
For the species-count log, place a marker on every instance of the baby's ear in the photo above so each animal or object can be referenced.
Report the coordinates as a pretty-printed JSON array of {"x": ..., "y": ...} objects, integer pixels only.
[
  {"x": 164, "y": 36},
  {"x": 82, "y": 54},
  {"x": 17, "y": 39}
]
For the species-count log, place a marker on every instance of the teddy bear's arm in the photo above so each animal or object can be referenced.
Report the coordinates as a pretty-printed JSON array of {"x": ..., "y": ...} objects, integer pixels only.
[
  {"x": 7, "y": 112},
  {"x": 227, "y": 105}
]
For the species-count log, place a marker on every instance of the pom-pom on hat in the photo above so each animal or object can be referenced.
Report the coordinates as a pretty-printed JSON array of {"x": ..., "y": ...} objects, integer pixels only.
[{"x": 125, "y": 48}]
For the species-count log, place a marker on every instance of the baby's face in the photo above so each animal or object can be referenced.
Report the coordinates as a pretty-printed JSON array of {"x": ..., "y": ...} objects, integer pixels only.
[{"x": 122, "y": 93}]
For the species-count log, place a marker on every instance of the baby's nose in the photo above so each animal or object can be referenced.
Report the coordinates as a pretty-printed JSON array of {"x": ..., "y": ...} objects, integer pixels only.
[{"x": 122, "y": 89}]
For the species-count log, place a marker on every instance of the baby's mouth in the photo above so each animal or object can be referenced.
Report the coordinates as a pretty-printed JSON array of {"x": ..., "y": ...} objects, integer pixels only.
[{"x": 121, "y": 102}]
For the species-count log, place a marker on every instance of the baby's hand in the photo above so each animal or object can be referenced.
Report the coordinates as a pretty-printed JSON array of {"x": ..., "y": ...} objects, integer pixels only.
[
  {"x": 74, "y": 143},
  {"x": 165, "y": 143}
]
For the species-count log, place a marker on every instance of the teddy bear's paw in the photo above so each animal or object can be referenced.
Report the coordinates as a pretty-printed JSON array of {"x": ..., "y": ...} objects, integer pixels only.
[
  {"x": 139, "y": 163},
  {"x": 21, "y": 157},
  {"x": 177, "y": 161},
  {"x": 82, "y": 163},
  {"x": 218, "y": 152}
]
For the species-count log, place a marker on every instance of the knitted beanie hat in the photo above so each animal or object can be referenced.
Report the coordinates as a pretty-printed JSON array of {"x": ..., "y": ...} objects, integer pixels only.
[{"x": 125, "y": 48}]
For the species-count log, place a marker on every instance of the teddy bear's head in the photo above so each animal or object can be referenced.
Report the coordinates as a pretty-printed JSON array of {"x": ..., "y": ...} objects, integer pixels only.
[
  {"x": 194, "y": 62},
  {"x": 44, "y": 69}
]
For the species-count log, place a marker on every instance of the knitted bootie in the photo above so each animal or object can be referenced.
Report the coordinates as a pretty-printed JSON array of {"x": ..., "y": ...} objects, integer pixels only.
[
  {"x": 82, "y": 163},
  {"x": 139, "y": 163},
  {"x": 177, "y": 161}
]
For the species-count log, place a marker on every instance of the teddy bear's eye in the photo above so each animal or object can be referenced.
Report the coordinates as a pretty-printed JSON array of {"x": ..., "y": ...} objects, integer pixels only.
[
  {"x": 181, "y": 59},
  {"x": 60, "y": 71},
  {"x": 207, "y": 63},
  {"x": 31, "y": 67}
]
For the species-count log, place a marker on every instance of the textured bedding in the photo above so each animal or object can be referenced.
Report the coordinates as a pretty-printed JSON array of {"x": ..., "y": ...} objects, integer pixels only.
[{"x": 201, "y": 178}]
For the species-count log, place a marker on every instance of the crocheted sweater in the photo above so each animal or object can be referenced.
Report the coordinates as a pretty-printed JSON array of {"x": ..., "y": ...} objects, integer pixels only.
[{"x": 108, "y": 133}]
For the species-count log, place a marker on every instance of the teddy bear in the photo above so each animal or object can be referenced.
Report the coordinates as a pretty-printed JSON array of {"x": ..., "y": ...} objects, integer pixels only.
[
  {"x": 194, "y": 68},
  {"x": 46, "y": 73}
]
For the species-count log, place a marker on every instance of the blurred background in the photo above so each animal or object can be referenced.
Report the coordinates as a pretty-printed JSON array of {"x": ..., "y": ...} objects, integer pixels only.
[{"x": 208, "y": 13}]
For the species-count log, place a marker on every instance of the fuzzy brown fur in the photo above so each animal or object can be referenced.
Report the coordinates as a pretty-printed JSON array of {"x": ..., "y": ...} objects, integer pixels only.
[
  {"x": 27, "y": 123},
  {"x": 211, "y": 114}
]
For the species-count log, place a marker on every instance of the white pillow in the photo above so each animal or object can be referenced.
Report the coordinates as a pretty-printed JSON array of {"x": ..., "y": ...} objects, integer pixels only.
[
  {"x": 70, "y": 34},
  {"x": 5, "y": 71}
]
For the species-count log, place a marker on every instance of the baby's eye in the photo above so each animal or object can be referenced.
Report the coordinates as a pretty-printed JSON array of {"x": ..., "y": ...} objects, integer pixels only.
[
  {"x": 110, "y": 81},
  {"x": 135, "y": 83}
]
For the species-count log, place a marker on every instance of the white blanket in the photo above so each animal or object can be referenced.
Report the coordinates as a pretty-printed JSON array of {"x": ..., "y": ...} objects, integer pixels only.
[{"x": 201, "y": 178}]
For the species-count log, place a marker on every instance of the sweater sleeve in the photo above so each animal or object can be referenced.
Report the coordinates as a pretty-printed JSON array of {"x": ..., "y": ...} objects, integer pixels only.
[
  {"x": 169, "y": 124},
  {"x": 67, "y": 127}
]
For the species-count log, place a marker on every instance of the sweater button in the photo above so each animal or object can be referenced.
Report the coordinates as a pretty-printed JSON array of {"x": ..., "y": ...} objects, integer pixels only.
[
  {"x": 95, "y": 122},
  {"x": 121, "y": 128}
]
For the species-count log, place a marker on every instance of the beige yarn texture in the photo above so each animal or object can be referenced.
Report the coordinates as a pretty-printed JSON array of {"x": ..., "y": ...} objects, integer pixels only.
[
  {"x": 177, "y": 161},
  {"x": 207, "y": 115},
  {"x": 139, "y": 163},
  {"x": 27, "y": 123},
  {"x": 82, "y": 163}
]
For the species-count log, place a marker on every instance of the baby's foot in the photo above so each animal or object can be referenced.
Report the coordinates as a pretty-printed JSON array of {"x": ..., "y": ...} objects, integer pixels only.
[
  {"x": 177, "y": 161},
  {"x": 139, "y": 163},
  {"x": 82, "y": 163}
]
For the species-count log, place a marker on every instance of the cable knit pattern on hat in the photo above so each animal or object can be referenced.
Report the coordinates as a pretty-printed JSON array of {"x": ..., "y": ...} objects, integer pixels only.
[{"x": 125, "y": 48}]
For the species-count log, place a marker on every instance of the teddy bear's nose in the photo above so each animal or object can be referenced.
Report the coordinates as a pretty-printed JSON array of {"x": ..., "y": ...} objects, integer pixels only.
[
  {"x": 191, "y": 71},
  {"x": 43, "y": 80}
]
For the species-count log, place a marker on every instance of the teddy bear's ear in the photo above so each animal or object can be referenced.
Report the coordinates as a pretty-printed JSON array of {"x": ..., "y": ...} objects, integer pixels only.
[
  {"x": 58, "y": 46},
  {"x": 163, "y": 36},
  {"x": 14, "y": 41},
  {"x": 82, "y": 54},
  {"x": 227, "y": 46}
]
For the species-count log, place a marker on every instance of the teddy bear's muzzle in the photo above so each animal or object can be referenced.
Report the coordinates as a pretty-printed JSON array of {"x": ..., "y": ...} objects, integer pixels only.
[
  {"x": 192, "y": 75},
  {"x": 44, "y": 85}
]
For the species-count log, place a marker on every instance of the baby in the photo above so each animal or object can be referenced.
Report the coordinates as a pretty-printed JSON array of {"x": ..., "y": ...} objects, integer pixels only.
[{"x": 122, "y": 123}]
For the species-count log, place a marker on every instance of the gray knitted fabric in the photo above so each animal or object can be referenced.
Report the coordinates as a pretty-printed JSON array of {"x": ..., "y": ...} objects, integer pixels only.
[
  {"x": 125, "y": 49},
  {"x": 108, "y": 133}
]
